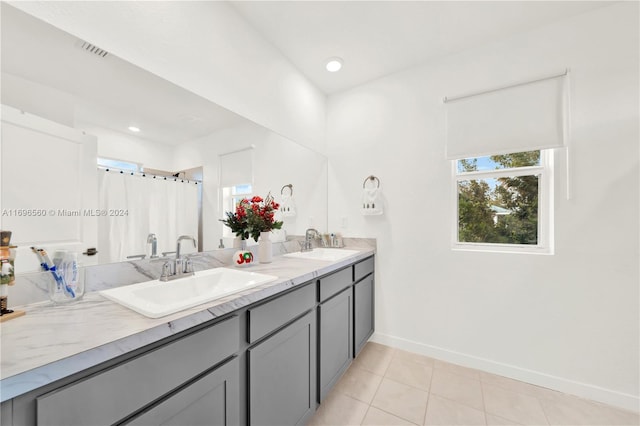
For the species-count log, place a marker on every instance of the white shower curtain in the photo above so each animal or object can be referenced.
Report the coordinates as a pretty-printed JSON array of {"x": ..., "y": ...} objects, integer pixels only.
[{"x": 167, "y": 208}]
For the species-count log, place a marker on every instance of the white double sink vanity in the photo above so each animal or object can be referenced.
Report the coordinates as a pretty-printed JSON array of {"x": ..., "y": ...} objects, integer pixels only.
[{"x": 262, "y": 345}]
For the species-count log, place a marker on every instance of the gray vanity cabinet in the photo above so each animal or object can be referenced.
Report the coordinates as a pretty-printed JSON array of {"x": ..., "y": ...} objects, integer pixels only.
[
  {"x": 334, "y": 340},
  {"x": 281, "y": 375},
  {"x": 270, "y": 363},
  {"x": 116, "y": 394},
  {"x": 363, "y": 303},
  {"x": 210, "y": 400}
]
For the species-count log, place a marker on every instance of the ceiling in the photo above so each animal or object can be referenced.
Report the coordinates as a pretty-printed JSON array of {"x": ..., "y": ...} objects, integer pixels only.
[
  {"x": 376, "y": 38},
  {"x": 106, "y": 91}
]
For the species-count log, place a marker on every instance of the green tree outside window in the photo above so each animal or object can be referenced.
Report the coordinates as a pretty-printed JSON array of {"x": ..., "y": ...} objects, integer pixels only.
[{"x": 501, "y": 210}]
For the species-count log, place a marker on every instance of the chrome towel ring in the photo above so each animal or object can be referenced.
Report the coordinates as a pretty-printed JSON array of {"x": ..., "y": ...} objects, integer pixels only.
[
  {"x": 290, "y": 186},
  {"x": 373, "y": 179}
]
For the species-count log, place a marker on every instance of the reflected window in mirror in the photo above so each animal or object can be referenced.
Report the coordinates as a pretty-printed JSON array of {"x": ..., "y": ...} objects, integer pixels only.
[
  {"x": 231, "y": 196},
  {"x": 126, "y": 166}
]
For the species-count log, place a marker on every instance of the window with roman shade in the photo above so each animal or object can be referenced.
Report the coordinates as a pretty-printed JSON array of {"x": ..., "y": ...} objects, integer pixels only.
[
  {"x": 236, "y": 182},
  {"x": 522, "y": 117},
  {"x": 500, "y": 141}
]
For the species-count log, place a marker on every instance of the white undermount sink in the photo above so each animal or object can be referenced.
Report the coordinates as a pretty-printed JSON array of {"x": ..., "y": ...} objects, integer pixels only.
[
  {"x": 156, "y": 299},
  {"x": 328, "y": 254}
]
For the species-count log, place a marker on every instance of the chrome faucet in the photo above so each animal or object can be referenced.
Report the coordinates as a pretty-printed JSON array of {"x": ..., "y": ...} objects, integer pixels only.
[
  {"x": 151, "y": 239},
  {"x": 179, "y": 267},
  {"x": 308, "y": 243},
  {"x": 182, "y": 238}
]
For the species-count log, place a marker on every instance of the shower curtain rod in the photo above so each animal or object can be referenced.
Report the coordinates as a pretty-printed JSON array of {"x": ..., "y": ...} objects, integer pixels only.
[{"x": 143, "y": 174}]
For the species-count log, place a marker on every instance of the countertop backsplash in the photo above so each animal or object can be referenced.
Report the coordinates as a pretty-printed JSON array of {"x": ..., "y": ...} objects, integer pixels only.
[{"x": 33, "y": 287}]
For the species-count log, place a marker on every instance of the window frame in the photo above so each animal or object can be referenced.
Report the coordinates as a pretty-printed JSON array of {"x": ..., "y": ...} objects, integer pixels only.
[
  {"x": 230, "y": 200},
  {"x": 544, "y": 171},
  {"x": 125, "y": 165}
]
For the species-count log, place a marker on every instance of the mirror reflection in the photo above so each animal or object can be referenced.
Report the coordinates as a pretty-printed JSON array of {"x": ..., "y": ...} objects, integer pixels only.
[{"x": 97, "y": 152}]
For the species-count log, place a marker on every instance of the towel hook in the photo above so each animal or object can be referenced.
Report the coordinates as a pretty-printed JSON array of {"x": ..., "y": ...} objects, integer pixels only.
[
  {"x": 287, "y": 186},
  {"x": 371, "y": 178}
]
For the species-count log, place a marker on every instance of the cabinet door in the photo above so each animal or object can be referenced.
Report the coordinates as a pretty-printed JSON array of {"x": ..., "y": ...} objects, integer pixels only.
[
  {"x": 6, "y": 413},
  {"x": 211, "y": 400},
  {"x": 363, "y": 301},
  {"x": 282, "y": 371},
  {"x": 335, "y": 340}
]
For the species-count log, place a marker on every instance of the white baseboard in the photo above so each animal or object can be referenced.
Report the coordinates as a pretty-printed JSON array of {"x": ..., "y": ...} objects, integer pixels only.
[{"x": 583, "y": 390}]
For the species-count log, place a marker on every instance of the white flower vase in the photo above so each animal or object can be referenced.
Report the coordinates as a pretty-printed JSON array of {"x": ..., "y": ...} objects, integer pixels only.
[
  {"x": 243, "y": 257},
  {"x": 265, "y": 248}
]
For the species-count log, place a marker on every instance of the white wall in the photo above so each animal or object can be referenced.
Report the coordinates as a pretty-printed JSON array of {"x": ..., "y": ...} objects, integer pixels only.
[
  {"x": 569, "y": 321},
  {"x": 40, "y": 100},
  {"x": 121, "y": 146},
  {"x": 205, "y": 47}
]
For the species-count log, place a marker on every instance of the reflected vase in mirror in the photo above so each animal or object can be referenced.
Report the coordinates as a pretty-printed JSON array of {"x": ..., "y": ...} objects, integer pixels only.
[{"x": 265, "y": 248}]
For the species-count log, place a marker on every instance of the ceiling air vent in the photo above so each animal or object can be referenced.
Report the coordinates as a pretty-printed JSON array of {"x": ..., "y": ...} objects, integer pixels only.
[{"x": 93, "y": 49}]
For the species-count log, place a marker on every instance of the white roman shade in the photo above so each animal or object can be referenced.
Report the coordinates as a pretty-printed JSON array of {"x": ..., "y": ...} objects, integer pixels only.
[
  {"x": 521, "y": 117},
  {"x": 236, "y": 168}
]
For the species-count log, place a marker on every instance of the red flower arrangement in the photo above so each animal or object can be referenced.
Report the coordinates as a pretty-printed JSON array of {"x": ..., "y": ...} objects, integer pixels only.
[{"x": 253, "y": 216}]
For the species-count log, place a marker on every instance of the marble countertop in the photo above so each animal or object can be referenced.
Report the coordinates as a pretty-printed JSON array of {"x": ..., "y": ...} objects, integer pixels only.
[{"x": 51, "y": 341}]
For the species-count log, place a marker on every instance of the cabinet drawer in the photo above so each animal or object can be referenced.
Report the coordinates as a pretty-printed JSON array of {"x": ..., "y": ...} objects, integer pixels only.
[
  {"x": 110, "y": 396},
  {"x": 335, "y": 283},
  {"x": 272, "y": 315},
  {"x": 362, "y": 269}
]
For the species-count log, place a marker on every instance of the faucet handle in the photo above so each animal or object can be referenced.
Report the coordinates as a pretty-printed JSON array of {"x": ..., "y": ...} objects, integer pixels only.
[
  {"x": 179, "y": 268},
  {"x": 188, "y": 266},
  {"x": 166, "y": 271}
]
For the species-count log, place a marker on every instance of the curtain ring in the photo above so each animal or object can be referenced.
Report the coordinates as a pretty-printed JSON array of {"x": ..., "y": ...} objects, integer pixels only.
[
  {"x": 290, "y": 186},
  {"x": 371, "y": 178}
]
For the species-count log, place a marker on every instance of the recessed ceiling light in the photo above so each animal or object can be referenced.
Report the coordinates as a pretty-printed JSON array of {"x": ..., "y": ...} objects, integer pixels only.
[
  {"x": 133, "y": 129},
  {"x": 334, "y": 64}
]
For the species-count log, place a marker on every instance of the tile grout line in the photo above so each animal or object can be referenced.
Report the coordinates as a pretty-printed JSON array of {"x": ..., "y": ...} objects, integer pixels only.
[
  {"x": 426, "y": 409},
  {"x": 374, "y": 397},
  {"x": 484, "y": 405},
  {"x": 365, "y": 414},
  {"x": 546, "y": 417},
  {"x": 395, "y": 351}
]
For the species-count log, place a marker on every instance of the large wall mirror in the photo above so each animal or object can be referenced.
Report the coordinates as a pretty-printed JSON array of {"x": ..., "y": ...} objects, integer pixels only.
[{"x": 76, "y": 174}]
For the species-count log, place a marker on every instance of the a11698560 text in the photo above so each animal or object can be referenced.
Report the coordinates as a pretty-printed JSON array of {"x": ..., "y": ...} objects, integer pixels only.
[{"x": 64, "y": 212}]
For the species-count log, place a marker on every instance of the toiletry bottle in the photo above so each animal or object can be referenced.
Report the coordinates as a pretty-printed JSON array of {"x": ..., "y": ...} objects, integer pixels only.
[
  {"x": 58, "y": 270},
  {"x": 58, "y": 260},
  {"x": 70, "y": 270},
  {"x": 5, "y": 270}
]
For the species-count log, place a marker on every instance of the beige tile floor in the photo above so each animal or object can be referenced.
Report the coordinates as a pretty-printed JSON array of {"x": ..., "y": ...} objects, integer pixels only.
[{"x": 387, "y": 386}]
